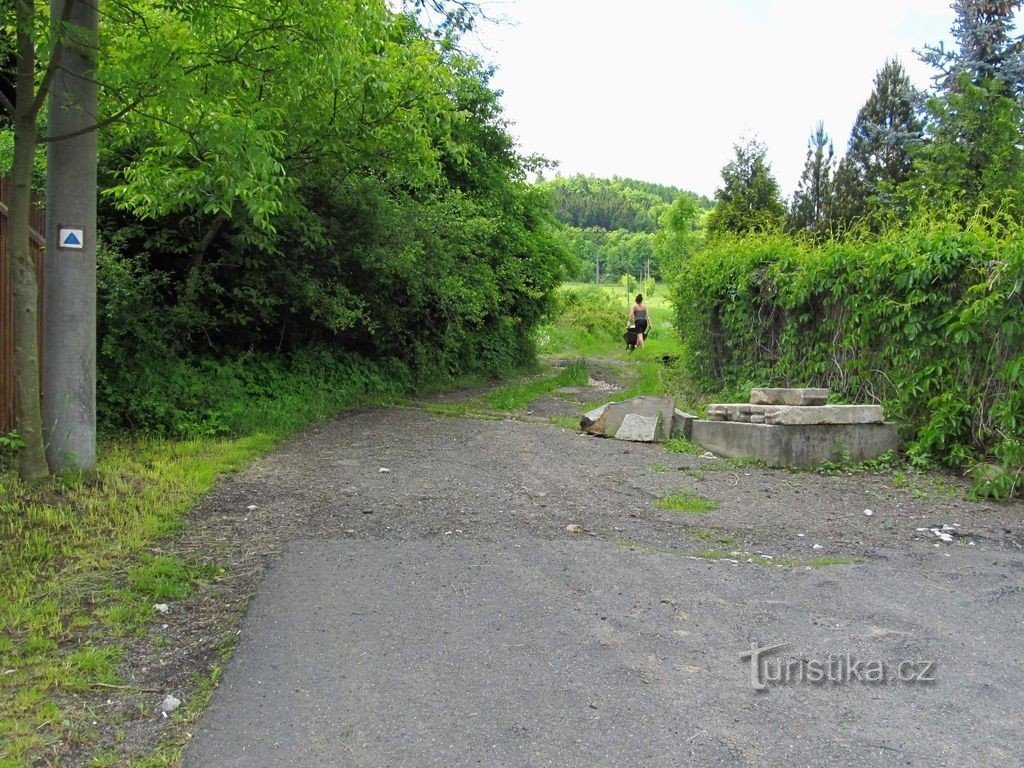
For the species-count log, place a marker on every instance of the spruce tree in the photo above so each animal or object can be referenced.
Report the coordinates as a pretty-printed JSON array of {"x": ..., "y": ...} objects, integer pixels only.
[
  {"x": 878, "y": 154},
  {"x": 810, "y": 210},
  {"x": 973, "y": 160},
  {"x": 986, "y": 47},
  {"x": 750, "y": 200}
]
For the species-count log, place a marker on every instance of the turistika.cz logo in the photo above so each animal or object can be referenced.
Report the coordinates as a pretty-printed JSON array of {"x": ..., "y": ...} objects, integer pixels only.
[{"x": 833, "y": 669}]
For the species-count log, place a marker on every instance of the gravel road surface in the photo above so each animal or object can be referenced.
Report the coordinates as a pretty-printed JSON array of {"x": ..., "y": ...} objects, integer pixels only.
[{"x": 456, "y": 591}]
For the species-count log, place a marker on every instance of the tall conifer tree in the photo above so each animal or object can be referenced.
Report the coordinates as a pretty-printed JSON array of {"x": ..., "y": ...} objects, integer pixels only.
[
  {"x": 750, "y": 200},
  {"x": 810, "y": 210},
  {"x": 878, "y": 155},
  {"x": 986, "y": 48}
]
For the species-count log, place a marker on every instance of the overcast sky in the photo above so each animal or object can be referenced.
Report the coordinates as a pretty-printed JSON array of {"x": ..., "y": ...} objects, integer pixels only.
[{"x": 661, "y": 90}]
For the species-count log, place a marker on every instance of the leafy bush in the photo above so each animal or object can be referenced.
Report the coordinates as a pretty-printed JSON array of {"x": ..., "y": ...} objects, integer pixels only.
[{"x": 927, "y": 321}]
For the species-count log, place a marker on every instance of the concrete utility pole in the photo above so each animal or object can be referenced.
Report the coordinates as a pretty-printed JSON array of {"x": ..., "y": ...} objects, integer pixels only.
[{"x": 69, "y": 297}]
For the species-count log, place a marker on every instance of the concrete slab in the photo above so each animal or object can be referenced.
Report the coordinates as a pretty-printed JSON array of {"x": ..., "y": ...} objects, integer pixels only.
[
  {"x": 638, "y": 429},
  {"x": 791, "y": 445},
  {"x": 823, "y": 414}
]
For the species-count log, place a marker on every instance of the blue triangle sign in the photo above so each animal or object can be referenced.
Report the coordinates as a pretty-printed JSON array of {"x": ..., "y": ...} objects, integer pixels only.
[{"x": 72, "y": 239}]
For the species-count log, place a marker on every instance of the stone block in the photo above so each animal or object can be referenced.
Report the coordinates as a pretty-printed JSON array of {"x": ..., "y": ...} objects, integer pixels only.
[
  {"x": 794, "y": 445},
  {"x": 789, "y": 396},
  {"x": 682, "y": 424}
]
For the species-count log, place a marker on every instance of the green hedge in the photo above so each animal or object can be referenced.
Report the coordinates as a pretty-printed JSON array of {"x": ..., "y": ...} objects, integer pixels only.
[{"x": 928, "y": 321}]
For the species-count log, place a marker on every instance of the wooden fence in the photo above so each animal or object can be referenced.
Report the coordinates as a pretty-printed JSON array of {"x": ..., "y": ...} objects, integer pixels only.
[{"x": 38, "y": 225}]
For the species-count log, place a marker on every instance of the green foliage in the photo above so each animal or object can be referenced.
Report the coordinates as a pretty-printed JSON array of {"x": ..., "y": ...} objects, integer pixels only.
[
  {"x": 974, "y": 160},
  {"x": 682, "y": 445},
  {"x": 680, "y": 235},
  {"x": 337, "y": 182},
  {"x": 927, "y": 321}
]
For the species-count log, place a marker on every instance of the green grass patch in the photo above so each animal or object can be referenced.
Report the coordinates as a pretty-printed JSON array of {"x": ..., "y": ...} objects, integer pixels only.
[
  {"x": 682, "y": 445},
  {"x": 687, "y": 502},
  {"x": 715, "y": 537}
]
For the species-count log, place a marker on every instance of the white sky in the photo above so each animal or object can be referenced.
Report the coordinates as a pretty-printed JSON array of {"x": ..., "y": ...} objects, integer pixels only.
[{"x": 661, "y": 90}]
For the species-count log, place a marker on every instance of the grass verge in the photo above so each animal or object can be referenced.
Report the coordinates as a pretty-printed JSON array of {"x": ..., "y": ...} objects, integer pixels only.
[{"x": 78, "y": 580}]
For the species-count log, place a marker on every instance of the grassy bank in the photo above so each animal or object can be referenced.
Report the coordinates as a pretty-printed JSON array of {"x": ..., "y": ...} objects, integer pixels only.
[{"x": 80, "y": 566}]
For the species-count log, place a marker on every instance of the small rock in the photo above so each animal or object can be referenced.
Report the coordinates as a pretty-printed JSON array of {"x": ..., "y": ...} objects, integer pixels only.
[
  {"x": 574, "y": 528},
  {"x": 868, "y": 513},
  {"x": 162, "y": 608},
  {"x": 817, "y": 546},
  {"x": 169, "y": 704}
]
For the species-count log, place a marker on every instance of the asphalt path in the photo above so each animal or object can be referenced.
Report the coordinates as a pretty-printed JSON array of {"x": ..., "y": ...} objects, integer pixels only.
[{"x": 431, "y": 609}]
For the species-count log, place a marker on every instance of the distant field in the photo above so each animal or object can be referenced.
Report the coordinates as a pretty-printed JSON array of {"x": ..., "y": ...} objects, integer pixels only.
[{"x": 592, "y": 325}]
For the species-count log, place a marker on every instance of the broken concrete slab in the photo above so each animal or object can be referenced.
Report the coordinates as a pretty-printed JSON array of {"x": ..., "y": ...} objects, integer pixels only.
[
  {"x": 795, "y": 445},
  {"x": 789, "y": 396},
  {"x": 606, "y": 420},
  {"x": 638, "y": 429},
  {"x": 682, "y": 424}
]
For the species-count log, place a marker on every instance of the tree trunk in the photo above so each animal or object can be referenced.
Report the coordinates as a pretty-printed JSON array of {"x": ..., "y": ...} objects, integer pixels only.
[{"x": 28, "y": 415}]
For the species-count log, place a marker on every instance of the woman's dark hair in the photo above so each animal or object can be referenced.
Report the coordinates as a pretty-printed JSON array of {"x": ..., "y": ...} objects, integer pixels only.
[{"x": 639, "y": 298}]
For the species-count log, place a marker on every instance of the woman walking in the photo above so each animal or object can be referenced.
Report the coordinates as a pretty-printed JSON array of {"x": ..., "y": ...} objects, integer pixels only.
[{"x": 639, "y": 318}]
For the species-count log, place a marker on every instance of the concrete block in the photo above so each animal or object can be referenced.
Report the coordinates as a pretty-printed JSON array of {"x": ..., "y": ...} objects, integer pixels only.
[
  {"x": 682, "y": 424},
  {"x": 638, "y": 429},
  {"x": 789, "y": 396},
  {"x": 794, "y": 445}
]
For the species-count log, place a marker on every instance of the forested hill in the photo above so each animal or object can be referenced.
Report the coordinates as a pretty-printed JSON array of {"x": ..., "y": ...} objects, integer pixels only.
[
  {"x": 587, "y": 202},
  {"x": 611, "y": 225}
]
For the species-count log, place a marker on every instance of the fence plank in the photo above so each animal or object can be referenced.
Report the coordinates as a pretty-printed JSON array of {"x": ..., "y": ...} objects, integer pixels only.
[{"x": 38, "y": 228}]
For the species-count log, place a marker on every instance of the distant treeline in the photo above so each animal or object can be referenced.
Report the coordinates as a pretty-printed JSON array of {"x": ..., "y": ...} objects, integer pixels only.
[{"x": 611, "y": 225}]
